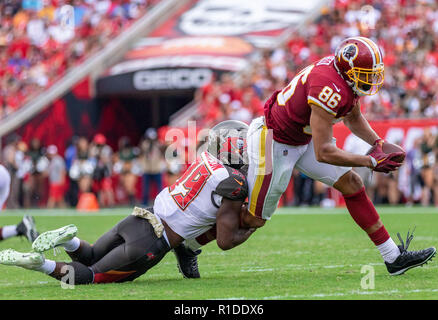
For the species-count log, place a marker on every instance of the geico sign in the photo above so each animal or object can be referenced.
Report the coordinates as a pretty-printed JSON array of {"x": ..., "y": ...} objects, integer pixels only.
[{"x": 171, "y": 79}]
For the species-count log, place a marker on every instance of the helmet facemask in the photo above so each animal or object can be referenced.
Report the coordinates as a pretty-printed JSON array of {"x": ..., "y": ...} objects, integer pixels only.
[{"x": 366, "y": 81}]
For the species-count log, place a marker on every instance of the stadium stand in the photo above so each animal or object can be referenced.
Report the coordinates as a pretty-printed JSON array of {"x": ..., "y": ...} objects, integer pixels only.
[{"x": 40, "y": 40}]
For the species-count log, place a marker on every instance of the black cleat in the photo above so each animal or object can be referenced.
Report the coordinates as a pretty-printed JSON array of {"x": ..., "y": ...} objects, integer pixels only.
[
  {"x": 187, "y": 261},
  {"x": 409, "y": 259},
  {"x": 27, "y": 228}
]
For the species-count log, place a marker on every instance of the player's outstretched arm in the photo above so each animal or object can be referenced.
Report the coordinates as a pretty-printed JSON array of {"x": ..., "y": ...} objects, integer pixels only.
[
  {"x": 321, "y": 123},
  {"x": 229, "y": 232}
]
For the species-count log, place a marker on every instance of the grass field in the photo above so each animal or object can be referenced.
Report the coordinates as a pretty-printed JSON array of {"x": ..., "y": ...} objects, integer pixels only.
[{"x": 302, "y": 253}]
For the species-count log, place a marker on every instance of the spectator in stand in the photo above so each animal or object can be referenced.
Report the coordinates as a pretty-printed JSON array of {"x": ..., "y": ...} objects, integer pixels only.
[
  {"x": 237, "y": 112},
  {"x": 127, "y": 167},
  {"x": 101, "y": 154},
  {"x": 176, "y": 165},
  {"x": 153, "y": 164},
  {"x": 82, "y": 168},
  {"x": 414, "y": 163},
  {"x": 56, "y": 173},
  {"x": 70, "y": 155},
  {"x": 33, "y": 184},
  {"x": 429, "y": 146},
  {"x": 11, "y": 159}
]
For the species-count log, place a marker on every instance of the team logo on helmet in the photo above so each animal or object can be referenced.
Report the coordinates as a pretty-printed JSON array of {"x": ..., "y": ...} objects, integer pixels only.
[{"x": 349, "y": 52}]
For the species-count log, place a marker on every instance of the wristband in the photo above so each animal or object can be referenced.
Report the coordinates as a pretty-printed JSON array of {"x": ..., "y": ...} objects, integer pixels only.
[
  {"x": 379, "y": 141},
  {"x": 374, "y": 161}
]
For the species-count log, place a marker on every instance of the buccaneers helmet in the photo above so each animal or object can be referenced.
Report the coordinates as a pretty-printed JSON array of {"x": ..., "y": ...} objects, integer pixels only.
[
  {"x": 360, "y": 62},
  {"x": 227, "y": 142}
]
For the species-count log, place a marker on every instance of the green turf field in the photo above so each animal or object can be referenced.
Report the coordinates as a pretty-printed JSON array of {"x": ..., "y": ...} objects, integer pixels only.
[{"x": 302, "y": 253}]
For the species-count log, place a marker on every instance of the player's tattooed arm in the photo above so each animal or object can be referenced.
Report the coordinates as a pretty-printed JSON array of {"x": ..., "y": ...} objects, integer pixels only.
[
  {"x": 359, "y": 126},
  {"x": 229, "y": 232},
  {"x": 321, "y": 123}
]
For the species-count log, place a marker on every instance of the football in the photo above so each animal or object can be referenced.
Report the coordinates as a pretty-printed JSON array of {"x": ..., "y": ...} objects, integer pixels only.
[{"x": 390, "y": 148}]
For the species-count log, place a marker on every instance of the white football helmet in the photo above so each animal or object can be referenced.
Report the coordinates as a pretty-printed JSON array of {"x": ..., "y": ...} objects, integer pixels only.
[{"x": 227, "y": 142}]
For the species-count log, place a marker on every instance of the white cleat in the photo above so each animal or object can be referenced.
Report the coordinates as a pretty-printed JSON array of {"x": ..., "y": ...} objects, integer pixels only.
[
  {"x": 28, "y": 260},
  {"x": 54, "y": 238},
  {"x": 30, "y": 231}
]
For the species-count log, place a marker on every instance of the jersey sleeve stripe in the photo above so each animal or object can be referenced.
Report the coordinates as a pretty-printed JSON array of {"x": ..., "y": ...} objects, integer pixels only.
[
  {"x": 205, "y": 160},
  {"x": 320, "y": 104}
]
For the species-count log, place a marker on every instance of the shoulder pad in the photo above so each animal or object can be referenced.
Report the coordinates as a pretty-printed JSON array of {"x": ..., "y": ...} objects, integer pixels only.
[{"x": 235, "y": 187}]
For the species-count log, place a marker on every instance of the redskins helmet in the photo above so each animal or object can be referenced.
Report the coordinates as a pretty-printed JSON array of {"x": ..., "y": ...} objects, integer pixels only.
[
  {"x": 227, "y": 142},
  {"x": 360, "y": 62}
]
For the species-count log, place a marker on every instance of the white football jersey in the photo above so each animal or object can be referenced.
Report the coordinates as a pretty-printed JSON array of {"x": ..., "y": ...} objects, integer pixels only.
[{"x": 190, "y": 205}]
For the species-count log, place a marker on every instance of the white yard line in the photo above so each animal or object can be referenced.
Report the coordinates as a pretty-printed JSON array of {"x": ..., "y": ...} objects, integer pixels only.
[{"x": 334, "y": 294}]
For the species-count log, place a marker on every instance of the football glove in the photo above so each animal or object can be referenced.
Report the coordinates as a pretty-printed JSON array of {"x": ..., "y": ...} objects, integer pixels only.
[{"x": 383, "y": 162}]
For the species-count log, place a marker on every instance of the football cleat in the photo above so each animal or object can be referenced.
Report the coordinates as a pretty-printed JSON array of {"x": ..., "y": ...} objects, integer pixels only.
[
  {"x": 409, "y": 259},
  {"x": 27, "y": 228},
  {"x": 187, "y": 261},
  {"x": 54, "y": 238},
  {"x": 28, "y": 260}
]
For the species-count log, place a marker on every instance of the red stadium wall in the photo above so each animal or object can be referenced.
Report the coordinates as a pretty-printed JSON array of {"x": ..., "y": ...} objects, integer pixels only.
[{"x": 341, "y": 132}]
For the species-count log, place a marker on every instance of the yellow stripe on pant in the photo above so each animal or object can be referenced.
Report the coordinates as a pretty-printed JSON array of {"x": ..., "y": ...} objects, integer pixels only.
[{"x": 260, "y": 171}]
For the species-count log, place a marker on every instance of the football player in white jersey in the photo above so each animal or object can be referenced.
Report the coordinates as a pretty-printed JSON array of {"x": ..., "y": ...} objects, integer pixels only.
[{"x": 211, "y": 192}]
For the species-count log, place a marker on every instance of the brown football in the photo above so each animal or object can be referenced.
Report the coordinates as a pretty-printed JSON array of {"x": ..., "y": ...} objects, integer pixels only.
[{"x": 390, "y": 148}]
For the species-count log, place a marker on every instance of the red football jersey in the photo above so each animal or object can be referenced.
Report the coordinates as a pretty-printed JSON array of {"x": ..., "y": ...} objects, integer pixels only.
[{"x": 287, "y": 112}]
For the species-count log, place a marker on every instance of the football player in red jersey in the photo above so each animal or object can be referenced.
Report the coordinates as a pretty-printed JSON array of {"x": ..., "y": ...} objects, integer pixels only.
[{"x": 297, "y": 132}]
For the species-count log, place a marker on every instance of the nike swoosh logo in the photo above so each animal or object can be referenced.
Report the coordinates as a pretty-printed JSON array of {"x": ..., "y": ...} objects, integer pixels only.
[
  {"x": 240, "y": 183},
  {"x": 61, "y": 233},
  {"x": 337, "y": 89}
]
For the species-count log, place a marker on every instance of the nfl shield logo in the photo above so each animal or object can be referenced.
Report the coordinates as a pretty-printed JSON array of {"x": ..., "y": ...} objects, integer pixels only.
[{"x": 285, "y": 152}]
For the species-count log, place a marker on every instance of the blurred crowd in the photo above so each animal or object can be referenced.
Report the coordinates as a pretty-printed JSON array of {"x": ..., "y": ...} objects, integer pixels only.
[
  {"x": 134, "y": 173},
  {"x": 42, "y": 177},
  {"x": 406, "y": 30},
  {"x": 41, "y": 39}
]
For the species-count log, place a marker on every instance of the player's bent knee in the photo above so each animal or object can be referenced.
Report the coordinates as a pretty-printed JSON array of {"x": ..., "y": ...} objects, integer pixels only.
[{"x": 349, "y": 183}]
